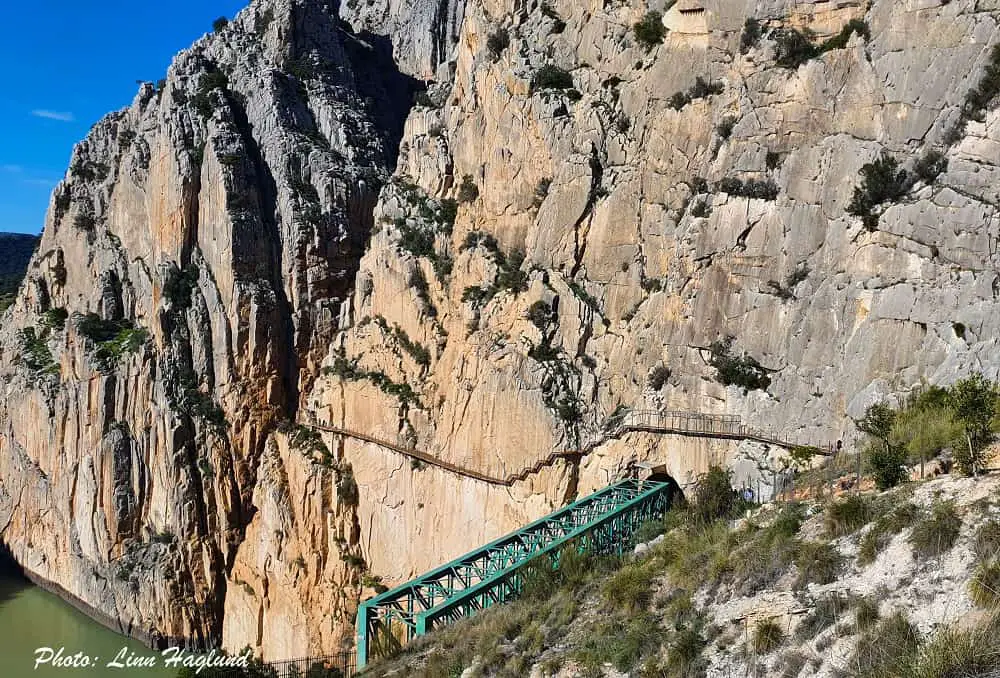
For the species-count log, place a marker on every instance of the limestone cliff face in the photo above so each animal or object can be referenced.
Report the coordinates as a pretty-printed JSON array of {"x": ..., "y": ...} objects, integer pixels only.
[
  {"x": 213, "y": 229},
  {"x": 287, "y": 265}
]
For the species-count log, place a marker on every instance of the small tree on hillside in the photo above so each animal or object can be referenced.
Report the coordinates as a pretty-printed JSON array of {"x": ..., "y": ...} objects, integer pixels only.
[
  {"x": 927, "y": 426},
  {"x": 714, "y": 497},
  {"x": 877, "y": 423},
  {"x": 885, "y": 460},
  {"x": 974, "y": 401}
]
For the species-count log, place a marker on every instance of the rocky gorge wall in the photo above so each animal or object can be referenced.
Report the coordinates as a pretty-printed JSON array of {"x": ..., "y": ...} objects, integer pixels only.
[{"x": 487, "y": 282}]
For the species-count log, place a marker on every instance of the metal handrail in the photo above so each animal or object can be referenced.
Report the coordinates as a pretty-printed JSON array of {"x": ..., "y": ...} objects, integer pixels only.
[{"x": 699, "y": 424}]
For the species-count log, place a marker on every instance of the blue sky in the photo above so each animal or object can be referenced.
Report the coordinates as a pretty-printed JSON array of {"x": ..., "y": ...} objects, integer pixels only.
[{"x": 63, "y": 65}]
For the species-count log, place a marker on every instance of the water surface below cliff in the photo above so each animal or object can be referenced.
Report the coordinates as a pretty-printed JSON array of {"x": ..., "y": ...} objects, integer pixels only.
[{"x": 31, "y": 618}]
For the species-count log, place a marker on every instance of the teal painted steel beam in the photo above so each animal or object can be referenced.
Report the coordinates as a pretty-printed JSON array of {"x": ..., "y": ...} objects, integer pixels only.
[
  {"x": 506, "y": 580},
  {"x": 494, "y": 572}
]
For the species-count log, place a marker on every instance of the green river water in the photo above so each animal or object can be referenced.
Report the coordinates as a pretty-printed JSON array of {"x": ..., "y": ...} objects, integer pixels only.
[{"x": 31, "y": 618}]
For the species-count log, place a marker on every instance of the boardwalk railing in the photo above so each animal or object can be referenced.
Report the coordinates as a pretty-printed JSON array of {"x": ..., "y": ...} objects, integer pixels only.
[
  {"x": 604, "y": 522},
  {"x": 726, "y": 426},
  {"x": 722, "y": 426},
  {"x": 342, "y": 665}
]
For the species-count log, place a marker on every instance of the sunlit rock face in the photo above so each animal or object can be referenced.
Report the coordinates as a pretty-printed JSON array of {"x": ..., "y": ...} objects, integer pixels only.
[{"x": 272, "y": 234}]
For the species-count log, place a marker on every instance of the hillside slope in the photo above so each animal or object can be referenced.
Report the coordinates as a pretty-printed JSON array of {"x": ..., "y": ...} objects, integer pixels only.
[{"x": 869, "y": 585}]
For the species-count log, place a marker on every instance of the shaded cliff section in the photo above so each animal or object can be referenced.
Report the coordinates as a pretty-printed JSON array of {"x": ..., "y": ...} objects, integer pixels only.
[
  {"x": 192, "y": 271},
  {"x": 15, "y": 253}
]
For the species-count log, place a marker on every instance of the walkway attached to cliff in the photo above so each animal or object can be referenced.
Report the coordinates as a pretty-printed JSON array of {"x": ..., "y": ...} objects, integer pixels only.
[
  {"x": 693, "y": 424},
  {"x": 603, "y": 523}
]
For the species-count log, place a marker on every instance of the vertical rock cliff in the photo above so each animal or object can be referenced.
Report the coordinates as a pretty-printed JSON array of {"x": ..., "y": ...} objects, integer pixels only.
[
  {"x": 195, "y": 262},
  {"x": 568, "y": 223}
]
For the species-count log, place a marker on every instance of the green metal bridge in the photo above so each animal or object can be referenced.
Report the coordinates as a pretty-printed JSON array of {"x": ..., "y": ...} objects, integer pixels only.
[{"x": 602, "y": 523}]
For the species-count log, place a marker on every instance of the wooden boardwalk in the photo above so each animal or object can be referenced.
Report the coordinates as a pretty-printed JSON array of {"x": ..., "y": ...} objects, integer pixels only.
[{"x": 694, "y": 424}]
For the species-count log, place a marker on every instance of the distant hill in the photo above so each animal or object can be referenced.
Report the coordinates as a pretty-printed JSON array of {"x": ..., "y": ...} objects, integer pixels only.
[{"x": 15, "y": 252}]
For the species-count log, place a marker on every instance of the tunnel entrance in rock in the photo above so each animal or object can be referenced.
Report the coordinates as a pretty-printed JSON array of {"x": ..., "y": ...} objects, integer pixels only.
[{"x": 658, "y": 474}]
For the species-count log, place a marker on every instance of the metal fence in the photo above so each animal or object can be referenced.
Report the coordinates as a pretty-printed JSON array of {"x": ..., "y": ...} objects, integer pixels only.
[{"x": 342, "y": 665}]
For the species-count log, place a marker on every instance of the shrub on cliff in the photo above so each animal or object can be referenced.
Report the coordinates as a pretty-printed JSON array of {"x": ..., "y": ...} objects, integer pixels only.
[
  {"x": 650, "y": 31},
  {"x": 882, "y": 181},
  {"x": 220, "y": 24},
  {"x": 751, "y": 35},
  {"x": 930, "y": 165},
  {"x": 699, "y": 90},
  {"x": 498, "y": 41},
  {"x": 658, "y": 377},
  {"x": 468, "y": 191},
  {"x": 551, "y": 76},
  {"x": 35, "y": 354},
  {"x": 743, "y": 371}
]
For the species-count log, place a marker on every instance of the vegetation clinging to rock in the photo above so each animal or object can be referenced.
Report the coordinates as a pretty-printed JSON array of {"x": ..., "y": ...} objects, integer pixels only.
[
  {"x": 650, "y": 31},
  {"x": 730, "y": 370}
]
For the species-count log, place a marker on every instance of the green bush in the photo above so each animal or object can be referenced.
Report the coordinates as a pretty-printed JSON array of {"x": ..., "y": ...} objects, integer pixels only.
[
  {"x": 955, "y": 653},
  {"x": 792, "y": 48},
  {"x": 558, "y": 25},
  {"x": 751, "y": 188},
  {"x": 866, "y": 613},
  {"x": 847, "y": 515},
  {"x": 824, "y": 614},
  {"x": 498, "y": 42},
  {"x": 55, "y": 319},
  {"x": 974, "y": 401},
  {"x": 817, "y": 563},
  {"x": 700, "y": 90},
  {"x": 882, "y": 181},
  {"x": 984, "y": 587},
  {"x": 887, "y": 466},
  {"x": 937, "y": 532},
  {"x": 85, "y": 221},
  {"x": 35, "y": 354},
  {"x": 725, "y": 128},
  {"x": 888, "y": 525},
  {"x": 752, "y": 32},
  {"x": 658, "y": 377},
  {"x": 767, "y": 637},
  {"x": 620, "y": 642},
  {"x": 569, "y": 408},
  {"x": 551, "y": 76},
  {"x": 714, "y": 497},
  {"x": 684, "y": 654},
  {"x": 220, "y": 24},
  {"x": 743, "y": 371},
  {"x": 648, "y": 531},
  {"x": 925, "y": 427},
  {"x": 930, "y": 165},
  {"x": 885, "y": 648},
  {"x": 178, "y": 284},
  {"x": 209, "y": 81},
  {"x": 650, "y": 31},
  {"x": 986, "y": 543},
  {"x": 631, "y": 588},
  {"x": 468, "y": 191},
  {"x": 540, "y": 315}
]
